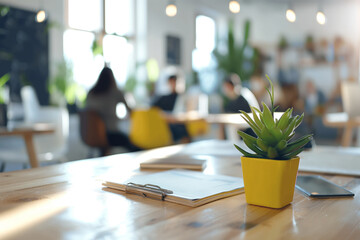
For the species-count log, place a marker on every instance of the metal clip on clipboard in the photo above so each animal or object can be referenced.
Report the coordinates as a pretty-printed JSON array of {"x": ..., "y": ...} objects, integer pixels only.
[{"x": 147, "y": 190}]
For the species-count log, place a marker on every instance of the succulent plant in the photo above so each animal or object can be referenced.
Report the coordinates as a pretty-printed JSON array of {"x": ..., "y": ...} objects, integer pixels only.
[{"x": 274, "y": 136}]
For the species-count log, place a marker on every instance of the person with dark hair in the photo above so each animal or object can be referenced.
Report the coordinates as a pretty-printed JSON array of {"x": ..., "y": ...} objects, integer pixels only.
[
  {"x": 234, "y": 100},
  {"x": 104, "y": 97},
  {"x": 167, "y": 104}
]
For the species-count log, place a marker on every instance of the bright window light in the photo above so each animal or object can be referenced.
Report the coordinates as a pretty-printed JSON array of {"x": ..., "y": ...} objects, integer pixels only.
[
  {"x": 119, "y": 16},
  {"x": 117, "y": 52},
  {"x": 205, "y": 33},
  {"x": 85, "y": 15},
  {"x": 77, "y": 50},
  {"x": 121, "y": 110}
]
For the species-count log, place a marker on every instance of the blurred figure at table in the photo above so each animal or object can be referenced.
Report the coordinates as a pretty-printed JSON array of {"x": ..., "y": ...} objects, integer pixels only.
[
  {"x": 104, "y": 98},
  {"x": 314, "y": 99},
  {"x": 314, "y": 105},
  {"x": 234, "y": 101},
  {"x": 167, "y": 104}
]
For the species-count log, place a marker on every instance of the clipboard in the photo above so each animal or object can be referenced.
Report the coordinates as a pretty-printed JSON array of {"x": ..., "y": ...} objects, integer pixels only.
[{"x": 179, "y": 186}]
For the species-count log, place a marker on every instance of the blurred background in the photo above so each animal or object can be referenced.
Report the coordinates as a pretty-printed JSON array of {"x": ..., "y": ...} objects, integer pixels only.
[{"x": 58, "y": 47}]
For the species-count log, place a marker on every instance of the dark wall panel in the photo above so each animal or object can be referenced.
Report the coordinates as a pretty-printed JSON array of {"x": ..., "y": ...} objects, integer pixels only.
[{"x": 24, "y": 52}]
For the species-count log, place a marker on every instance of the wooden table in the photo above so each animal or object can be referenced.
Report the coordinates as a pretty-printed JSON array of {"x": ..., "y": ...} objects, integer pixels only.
[
  {"x": 27, "y": 132},
  {"x": 232, "y": 121},
  {"x": 342, "y": 120},
  {"x": 67, "y": 202}
]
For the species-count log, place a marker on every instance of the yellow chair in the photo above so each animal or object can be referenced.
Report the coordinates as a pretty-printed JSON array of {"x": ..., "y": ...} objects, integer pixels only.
[
  {"x": 197, "y": 128},
  {"x": 149, "y": 129}
]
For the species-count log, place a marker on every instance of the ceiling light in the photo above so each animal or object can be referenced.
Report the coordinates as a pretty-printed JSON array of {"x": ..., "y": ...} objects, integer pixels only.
[
  {"x": 320, "y": 18},
  {"x": 234, "y": 6},
  {"x": 40, "y": 16},
  {"x": 290, "y": 15},
  {"x": 171, "y": 10}
]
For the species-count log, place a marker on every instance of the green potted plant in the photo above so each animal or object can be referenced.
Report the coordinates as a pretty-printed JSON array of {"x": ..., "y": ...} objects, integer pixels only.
[
  {"x": 270, "y": 171},
  {"x": 3, "y": 106},
  {"x": 239, "y": 58},
  {"x": 64, "y": 91}
]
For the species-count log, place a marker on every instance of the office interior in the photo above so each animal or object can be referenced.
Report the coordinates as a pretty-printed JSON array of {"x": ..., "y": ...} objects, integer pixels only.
[{"x": 56, "y": 50}]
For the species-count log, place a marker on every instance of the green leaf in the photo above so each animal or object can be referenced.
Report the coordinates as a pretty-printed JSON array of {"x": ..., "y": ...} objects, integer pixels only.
[
  {"x": 290, "y": 137},
  {"x": 272, "y": 153},
  {"x": 284, "y": 119},
  {"x": 299, "y": 120},
  {"x": 247, "y": 136},
  {"x": 256, "y": 118},
  {"x": 271, "y": 95},
  {"x": 4, "y": 79},
  {"x": 296, "y": 144},
  {"x": 293, "y": 154},
  {"x": 267, "y": 117},
  {"x": 277, "y": 133},
  {"x": 266, "y": 136},
  {"x": 245, "y": 153},
  {"x": 281, "y": 145},
  {"x": 255, "y": 148},
  {"x": 251, "y": 122},
  {"x": 290, "y": 128},
  {"x": 262, "y": 145}
]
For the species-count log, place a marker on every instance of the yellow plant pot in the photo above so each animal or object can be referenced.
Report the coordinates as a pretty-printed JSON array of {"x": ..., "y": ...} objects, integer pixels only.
[{"x": 269, "y": 183}]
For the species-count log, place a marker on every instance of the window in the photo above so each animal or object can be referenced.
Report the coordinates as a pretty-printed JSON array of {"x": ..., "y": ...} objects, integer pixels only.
[
  {"x": 203, "y": 61},
  {"x": 118, "y": 18},
  {"x": 77, "y": 50},
  {"x": 205, "y": 33},
  {"x": 86, "y": 25}
]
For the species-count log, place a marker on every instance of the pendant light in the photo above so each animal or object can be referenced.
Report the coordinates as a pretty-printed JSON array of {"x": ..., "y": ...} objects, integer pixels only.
[
  {"x": 41, "y": 15},
  {"x": 290, "y": 15},
  {"x": 234, "y": 6},
  {"x": 320, "y": 17},
  {"x": 171, "y": 9}
]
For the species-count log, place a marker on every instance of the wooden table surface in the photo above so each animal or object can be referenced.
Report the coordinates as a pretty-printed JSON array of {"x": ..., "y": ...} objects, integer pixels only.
[
  {"x": 342, "y": 120},
  {"x": 27, "y": 131},
  {"x": 66, "y": 202}
]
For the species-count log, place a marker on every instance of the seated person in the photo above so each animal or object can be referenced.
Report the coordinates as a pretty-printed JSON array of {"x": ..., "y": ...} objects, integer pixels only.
[
  {"x": 103, "y": 97},
  {"x": 167, "y": 104},
  {"x": 234, "y": 102}
]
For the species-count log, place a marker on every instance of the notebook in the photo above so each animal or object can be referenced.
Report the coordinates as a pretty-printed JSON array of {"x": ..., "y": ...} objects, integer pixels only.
[
  {"x": 175, "y": 161},
  {"x": 184, "y": 187}
]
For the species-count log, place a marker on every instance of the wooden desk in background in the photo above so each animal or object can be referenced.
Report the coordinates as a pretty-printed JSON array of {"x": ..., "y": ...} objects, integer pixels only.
[
  {"x": 27, "y": 132},
  {"x": 233, "y": 121},
  {"x": 66, "y": 202},
  {"x": 342, "y": 120}
]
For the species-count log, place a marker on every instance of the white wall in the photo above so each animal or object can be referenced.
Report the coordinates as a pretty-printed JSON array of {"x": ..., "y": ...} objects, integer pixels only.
[
  {"x": 267, "y": 19},
  {"x": 182, "y": 25},
  {"x": 55, "y": 9},
  {"x": 269, "y": 23}
]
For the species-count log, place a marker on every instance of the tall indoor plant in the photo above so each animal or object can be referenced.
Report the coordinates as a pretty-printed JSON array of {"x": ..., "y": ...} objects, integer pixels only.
[
  {"x": 270, "y": 172},
  {"x": 3, "y": 106},
  {"x": 239, "y": 58}
]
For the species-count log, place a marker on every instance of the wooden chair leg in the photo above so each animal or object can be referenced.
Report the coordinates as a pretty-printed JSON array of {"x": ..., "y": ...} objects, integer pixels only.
[{"x": 347, "y": 135}]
